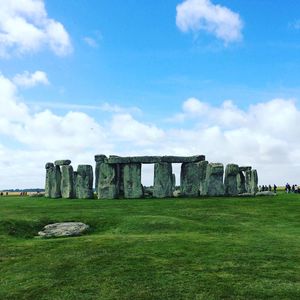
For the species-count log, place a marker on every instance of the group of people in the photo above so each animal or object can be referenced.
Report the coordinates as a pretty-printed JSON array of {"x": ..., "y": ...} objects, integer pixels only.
[
  {"x": 292, "y": 189},
  {"x": 264, "y": 188}
]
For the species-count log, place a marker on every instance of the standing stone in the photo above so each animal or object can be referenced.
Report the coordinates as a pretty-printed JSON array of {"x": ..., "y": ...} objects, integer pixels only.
[
  {"x": 84, "y": 182},
  {"x": 132, "y": 180},
  {"x": 190, "y": 179},
  {"x": 202, "y": 177},
  {"x": 108, "y": 182},
  {"x": 53, "y": 177},
  {"x": 245, "y": 168},
  {"x": 230, "y": 180},
  {"x": 67, "y": 181},
  {"x": 214, "y": 180},
  {"x": 99, "y": 158},
  {"x": 254, "y": 182},
  {"x": 162, "y": 180},
  {"x": 241, "y": 183},
  {"x": 75, "y": 184},
  {"x": 48, "y": 168},
  {"x": 120, "y": 179},
  {"x": 173, "y": 182},
  {"x": 248, "y": 176}
]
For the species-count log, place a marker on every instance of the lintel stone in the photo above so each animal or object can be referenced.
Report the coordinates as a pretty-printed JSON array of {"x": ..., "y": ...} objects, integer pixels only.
[
  {"x": 154, "y": 159},
  {"x": 62, "y": 162}
]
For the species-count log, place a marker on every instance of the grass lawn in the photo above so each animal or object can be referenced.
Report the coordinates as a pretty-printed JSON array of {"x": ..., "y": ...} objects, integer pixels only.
[{"x": 217, "y": 248}]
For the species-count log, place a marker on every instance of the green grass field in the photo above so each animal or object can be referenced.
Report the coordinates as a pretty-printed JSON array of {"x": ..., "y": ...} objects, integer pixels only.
[{"x": 217, "y": 248}]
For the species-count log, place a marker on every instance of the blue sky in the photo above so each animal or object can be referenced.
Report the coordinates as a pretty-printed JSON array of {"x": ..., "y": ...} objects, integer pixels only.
[{"x": 171, "y": 71}]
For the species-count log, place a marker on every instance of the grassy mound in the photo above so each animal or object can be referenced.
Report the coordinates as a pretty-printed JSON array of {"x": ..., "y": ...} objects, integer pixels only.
[{"x": 217, "y": 248}]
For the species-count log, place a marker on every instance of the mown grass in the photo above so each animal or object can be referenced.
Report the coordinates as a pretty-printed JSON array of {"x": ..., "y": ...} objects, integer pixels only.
[{"x": 217, "y": 248}]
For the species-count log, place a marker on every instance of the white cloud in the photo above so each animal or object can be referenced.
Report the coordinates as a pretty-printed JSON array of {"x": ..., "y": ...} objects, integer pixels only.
[
  {"x": 41, "y": 137},
  {"x": 196, "y": 15},
  {"x": 265, "y": 135},
  {"x": 25, "y": 27},
  {"x": 114, "y": 108},
  {"x": 27, "y": 79},
  {"x": 126, "y": 128}
]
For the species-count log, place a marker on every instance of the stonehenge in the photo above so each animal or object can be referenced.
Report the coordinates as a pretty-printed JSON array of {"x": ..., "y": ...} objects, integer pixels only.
[{"x": 121, "y": 177}]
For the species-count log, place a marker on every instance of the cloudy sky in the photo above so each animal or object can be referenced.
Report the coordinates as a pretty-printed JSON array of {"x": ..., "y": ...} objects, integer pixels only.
[{"x": 139, "y": 77}]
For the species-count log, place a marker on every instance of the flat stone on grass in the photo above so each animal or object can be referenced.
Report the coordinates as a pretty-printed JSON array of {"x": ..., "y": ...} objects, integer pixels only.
[
  {"x": 265, "y": 193},
  {"x": 65, "y": 229}
]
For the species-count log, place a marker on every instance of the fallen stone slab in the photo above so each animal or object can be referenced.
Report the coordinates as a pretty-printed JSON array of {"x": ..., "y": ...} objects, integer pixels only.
[
  {"x": 65, "y": 229},
  {"x": 62, "y": 162},
  {"x": 265, "y": 193}
]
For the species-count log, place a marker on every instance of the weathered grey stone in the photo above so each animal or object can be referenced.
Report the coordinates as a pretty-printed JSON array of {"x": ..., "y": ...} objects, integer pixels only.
[
  {"x": 107, "y": 186},
  {"x": 173, "y": 182},
  {"x": 202, "y": 177},
  {"x": 251, "y": 181},
  {"x": 53, "y": 179},
  {"x": 84, "y": 182},
  {"x": 214, "y": 180},
  {"x": 100, "y": 158},
  {"x": 62, "y": 162},
  {"x": 63, "y": 229},
  {"x": 177, "y": 193},
  {"x": 182, "y": 159},
  {"x": 113, "y": 159},
  {"x": 49, "y": 166},
  {"x": 67, "y": 182},
  {"x": 230, "y": 180},
  {"x": 132, "y": 180},
  {"x": 162, "y": 180},
  {"x": 120, "y": 178},
  {"x": 74, "y": 184},
  {"x": 248, "y": 175},
  {"x": 265, "y": 193},
  {"x": 245, "y": 168},
  {"x": 241, "y": 183},
  {"x": 190, "y": 179},
  {"x": 254, "y": 181}
]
